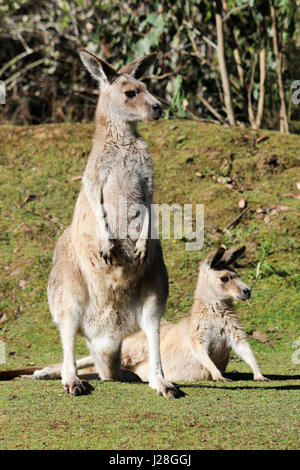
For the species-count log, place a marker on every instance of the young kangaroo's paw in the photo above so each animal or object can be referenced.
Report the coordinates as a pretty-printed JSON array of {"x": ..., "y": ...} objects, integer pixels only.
[
  {"x": 106, "y": 251},
  {"x": 261, "y": 378},
  {"x": 141, "y": 250},
  {"x": 164, "y": 388},
  {"x": 48, "y": 373},
  {"x": 74, "y": 386},
  {"x": 220, "y": 378}
]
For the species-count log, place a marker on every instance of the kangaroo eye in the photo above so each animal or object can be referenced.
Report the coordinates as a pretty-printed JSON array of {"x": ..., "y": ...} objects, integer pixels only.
[
  {"x": 130, "y": 93},
  {"x": 224, "y": 278}
]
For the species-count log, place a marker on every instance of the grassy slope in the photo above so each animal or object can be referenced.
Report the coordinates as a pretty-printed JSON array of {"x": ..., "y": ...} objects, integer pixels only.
[{"x": 38, "y": 196}]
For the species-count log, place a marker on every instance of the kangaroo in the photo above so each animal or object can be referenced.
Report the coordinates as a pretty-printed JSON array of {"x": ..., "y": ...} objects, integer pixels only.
[
  {"x": 102, "y": 285},
  {"x": 198, "y": 347}
]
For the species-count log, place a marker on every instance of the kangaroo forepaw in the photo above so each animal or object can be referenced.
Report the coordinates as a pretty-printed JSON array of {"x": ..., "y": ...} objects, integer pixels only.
[
  {"x": 106, "y": 251},
  {"x": 141, "y": 250}
]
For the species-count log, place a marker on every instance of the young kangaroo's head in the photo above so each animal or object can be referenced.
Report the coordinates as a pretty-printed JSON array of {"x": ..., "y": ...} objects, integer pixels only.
[
  {"x": 219, "y": 280},
  {"x": 123, "y": 97}
]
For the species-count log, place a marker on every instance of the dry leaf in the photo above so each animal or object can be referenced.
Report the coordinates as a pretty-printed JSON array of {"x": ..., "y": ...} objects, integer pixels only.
[
  {"x": 76, "y": 178},
  {"x": 280, "y": 208},
  {"x": 267, "y": 219},
  {"x": 17, "y": 271},
  {"x": 3, "y": 319},
  {"x": 298, "y": 185},
  {"x": 30, "y": 197},
  {"x": 276, "y": 209},
  {"x": 89, "y": 27},
  {"x": 185, "y": 104},
  {"x": 242, "y": 203},
  {"x": 16, "y": 250},
  {"x": 23, "y": 284},
  {"x": 260, "y": 336},
  {"x": 51, "y": 218},
  {"x": 294, "y": 196},
  {"x": 262, "y": 138}
]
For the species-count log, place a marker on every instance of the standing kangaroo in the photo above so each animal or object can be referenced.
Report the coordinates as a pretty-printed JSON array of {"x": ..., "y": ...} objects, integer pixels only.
[
  {"x": 198, "y": 347},
  {"x": 102, "y": 285}
]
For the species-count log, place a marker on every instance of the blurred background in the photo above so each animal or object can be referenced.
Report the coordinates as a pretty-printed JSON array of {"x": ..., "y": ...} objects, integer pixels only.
[{"x": 230, "y": 61}]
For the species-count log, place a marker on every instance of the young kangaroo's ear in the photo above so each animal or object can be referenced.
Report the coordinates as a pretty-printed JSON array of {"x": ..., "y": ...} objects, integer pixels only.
[
  {"x": 98, "y": 68},
  {"x": 232, "y": 255},
  {"x": 216, "y": 257},
  {"x": 139, "y": 67}
]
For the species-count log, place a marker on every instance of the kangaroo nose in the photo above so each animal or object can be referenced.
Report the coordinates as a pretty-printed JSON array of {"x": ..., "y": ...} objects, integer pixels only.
[
  {"x": 247, "y": 292},
  {"x": 157, "y": 109}
]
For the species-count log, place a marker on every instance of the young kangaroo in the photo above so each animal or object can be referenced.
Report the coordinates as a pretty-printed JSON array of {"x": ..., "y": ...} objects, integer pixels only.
[
  {"x": 197, "y": 348},
  {"x": 103, "y": 285}
]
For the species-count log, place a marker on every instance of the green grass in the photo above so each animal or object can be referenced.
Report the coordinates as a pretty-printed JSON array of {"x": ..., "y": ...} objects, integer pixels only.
[{"x": 38, "y": 194}]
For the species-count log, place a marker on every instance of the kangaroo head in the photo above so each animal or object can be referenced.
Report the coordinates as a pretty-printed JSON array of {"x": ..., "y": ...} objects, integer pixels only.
[
  {"x": 220, "y": 279},
  {"x": 123, "y": 97}
]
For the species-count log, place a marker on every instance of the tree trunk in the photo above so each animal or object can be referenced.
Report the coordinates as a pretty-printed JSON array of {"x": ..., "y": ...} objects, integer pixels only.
[
  {"x": 236, "y": 53},
  {"x": 256, "y": 122},
  {"x": 250, "y": 88},
  {"x": 284, "y": 126},
  {"x": 262, "y": 89},
  {"x": 222, "y": 64}
]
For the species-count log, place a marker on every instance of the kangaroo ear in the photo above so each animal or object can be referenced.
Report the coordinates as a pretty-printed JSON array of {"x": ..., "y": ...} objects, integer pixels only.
[
  {"x": 232, "y": 255},
  {"x": 139, "y": 67},
  {"x": 214, "y": 259},
  {"x": 98, "y": 68}
]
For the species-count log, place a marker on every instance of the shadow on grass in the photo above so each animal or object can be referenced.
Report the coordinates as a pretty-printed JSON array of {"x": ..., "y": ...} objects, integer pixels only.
[
  {"x": 237, "y": 376},
  {"x": 88, "y": 388},
  {"x": 247, "y": 376},
  {"x": 91, "y": 376}
]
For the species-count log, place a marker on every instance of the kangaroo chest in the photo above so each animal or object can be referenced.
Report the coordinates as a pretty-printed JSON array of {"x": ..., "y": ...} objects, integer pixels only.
[
  {"x": 216, "y": 332},
  {"x": 129, "y": 174}
]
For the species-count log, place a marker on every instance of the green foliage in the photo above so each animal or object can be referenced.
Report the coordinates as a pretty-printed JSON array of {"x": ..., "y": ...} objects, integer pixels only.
[
  {"x": 46, "y": 81},
  {"x": 263, "y": 268},
  {"x": 177, "y": 93}
]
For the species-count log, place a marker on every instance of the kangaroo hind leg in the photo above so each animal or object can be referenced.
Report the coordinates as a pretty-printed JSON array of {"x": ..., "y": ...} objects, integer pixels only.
[{"x": 68, "y": 327}]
